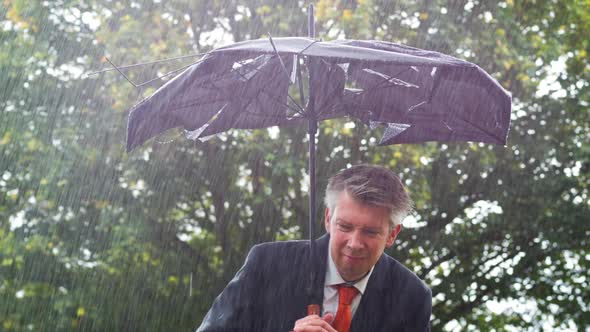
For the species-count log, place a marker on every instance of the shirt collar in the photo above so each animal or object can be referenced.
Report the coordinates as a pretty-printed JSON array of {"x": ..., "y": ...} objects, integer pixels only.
[{"x": 333, "y": 277}]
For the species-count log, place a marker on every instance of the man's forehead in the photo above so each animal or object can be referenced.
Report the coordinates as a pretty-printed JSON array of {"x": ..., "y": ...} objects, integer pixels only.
[
  {"x": 346, "y": 195},
  {"x": 345, "y": 221},
  {"x": 348, "y": 209}
]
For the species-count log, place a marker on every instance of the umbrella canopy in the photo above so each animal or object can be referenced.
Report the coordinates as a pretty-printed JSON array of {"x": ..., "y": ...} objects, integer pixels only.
[{"x": 417, "y": 95}]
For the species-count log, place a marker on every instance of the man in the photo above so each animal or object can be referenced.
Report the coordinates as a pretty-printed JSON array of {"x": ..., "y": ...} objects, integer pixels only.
[{"x": 360, "y": 288}]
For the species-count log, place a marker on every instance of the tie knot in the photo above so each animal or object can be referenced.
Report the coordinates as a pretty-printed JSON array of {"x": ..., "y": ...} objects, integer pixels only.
[{"x": 346, "y": 294}]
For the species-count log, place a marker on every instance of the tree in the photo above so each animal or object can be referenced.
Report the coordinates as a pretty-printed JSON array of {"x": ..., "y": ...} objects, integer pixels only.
[{"x": 92, "y": 238}]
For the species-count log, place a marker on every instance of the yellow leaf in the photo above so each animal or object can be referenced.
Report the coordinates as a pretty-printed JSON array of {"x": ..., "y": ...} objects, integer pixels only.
[
  {"x": 347, "y": 15},
  {"x": 321, "y": 10},
  {"x": 523, "y": 77},
  {"x": 33, "y": 144},
  {"x": 510, "y": 3},
  {"x": 14, "y": 16},
  {"x": 6, "y": 138},
  {"x": 423, "y": 16},
  {"x": 100, "y": 204},
  {"x": 12, "y": 194},
  {"x": 81, "y": 312},
  {"x": 264, "y": 10}
]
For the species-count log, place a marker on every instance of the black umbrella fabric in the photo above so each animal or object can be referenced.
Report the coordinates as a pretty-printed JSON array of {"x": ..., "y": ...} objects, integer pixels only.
[{"x": 417, "y": 95}]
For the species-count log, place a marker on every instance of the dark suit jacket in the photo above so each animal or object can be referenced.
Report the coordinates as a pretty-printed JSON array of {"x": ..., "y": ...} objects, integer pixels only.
[{"x": 269, "y": 293}]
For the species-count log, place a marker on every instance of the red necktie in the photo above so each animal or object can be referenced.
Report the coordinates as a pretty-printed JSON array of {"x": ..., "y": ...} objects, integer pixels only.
[{"x": 344, "y": 315}]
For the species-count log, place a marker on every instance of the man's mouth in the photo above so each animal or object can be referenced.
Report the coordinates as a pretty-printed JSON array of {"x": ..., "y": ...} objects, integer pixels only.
[{"x": 353, "y": 257}]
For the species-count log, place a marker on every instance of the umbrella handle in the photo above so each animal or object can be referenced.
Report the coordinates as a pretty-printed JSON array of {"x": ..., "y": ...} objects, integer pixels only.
[{"x": 313, "y": 309}]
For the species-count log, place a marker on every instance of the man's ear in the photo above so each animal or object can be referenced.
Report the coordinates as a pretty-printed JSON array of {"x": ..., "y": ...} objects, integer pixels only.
[
  {"x": 327, "y": 220},
  {"x": 392, "y": 235}
]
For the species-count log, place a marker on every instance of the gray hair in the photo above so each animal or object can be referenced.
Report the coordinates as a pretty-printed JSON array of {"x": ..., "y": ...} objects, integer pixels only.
[{"x": 371, "y": 185}]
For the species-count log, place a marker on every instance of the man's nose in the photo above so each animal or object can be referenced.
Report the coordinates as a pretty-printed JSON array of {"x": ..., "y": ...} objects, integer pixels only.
[{"x": 355, "y": 241}]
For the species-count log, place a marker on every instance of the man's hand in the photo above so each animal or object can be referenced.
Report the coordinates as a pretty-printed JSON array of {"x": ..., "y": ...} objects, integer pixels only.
[{"x": 315, "y": 323}]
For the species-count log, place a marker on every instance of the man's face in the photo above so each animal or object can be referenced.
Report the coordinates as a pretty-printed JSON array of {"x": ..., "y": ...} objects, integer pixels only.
[{"x": 359, "y": 234}]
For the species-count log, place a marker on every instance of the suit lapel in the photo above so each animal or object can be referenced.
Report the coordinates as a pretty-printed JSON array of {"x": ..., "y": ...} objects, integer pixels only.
[
  {"x": 372, "y": 302},
  {"x": 320, "y": 259}
]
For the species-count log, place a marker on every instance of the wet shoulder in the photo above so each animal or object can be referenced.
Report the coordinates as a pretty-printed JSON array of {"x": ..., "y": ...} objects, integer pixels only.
[
  {"x": 281, "y": 250},
  {"x": 401, "y": 275}
]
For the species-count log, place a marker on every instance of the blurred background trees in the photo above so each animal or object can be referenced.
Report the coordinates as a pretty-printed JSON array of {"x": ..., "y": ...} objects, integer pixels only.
[{"x": 92, "y": 238}]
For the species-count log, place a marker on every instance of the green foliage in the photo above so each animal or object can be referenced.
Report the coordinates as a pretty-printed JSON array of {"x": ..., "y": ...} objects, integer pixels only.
[{"x": 92, "y": 238}]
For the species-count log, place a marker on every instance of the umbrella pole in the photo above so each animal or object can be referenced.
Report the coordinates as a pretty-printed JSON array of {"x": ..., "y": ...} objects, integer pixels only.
[{"x": 313, "y": 308}]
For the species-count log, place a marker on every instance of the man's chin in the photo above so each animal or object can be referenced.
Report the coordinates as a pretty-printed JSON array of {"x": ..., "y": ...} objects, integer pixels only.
[{"x": 352, "y": 274}]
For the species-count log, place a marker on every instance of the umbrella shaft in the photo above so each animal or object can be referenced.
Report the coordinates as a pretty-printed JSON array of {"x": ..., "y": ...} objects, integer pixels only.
[
  {"x": 312, "y": 132},
  {"x": 312, "y": 129}
]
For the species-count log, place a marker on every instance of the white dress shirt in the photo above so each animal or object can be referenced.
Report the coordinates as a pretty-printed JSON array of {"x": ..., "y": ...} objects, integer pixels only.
[{"x": 333, "y": 279}]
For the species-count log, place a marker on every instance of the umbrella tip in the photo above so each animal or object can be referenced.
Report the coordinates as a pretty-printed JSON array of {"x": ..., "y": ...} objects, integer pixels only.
[{"x": 311, "y": 22}]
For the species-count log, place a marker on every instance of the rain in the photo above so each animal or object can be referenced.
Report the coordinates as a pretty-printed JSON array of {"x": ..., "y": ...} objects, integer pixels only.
[{"x": 99, "y": 235}]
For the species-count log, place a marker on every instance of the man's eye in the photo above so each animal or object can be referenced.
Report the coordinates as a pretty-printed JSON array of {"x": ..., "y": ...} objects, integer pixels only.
[
  {"x": 345, "y": 228},
  {"x": 371, "y": 232}
]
